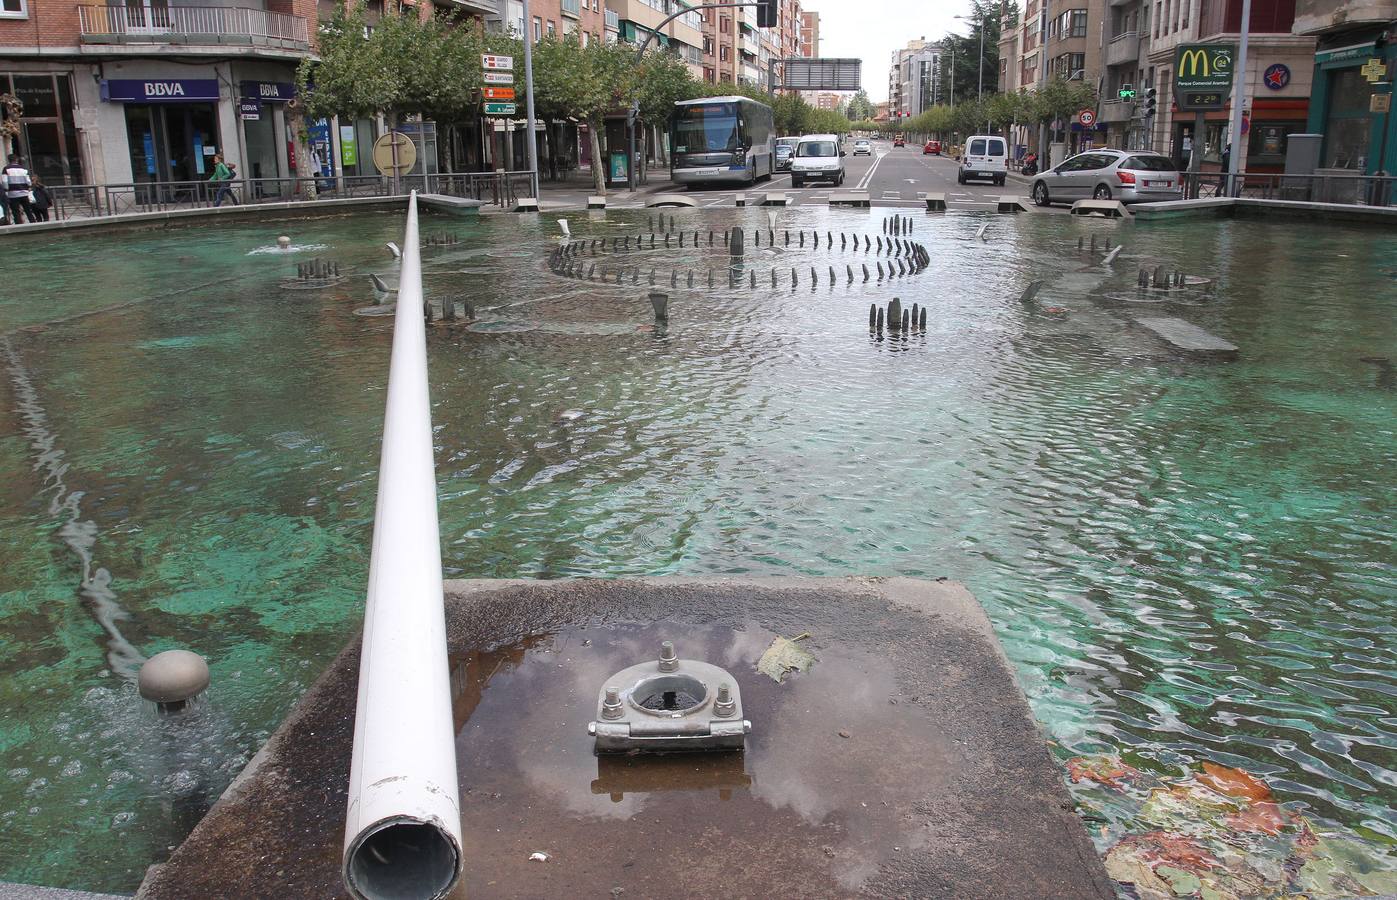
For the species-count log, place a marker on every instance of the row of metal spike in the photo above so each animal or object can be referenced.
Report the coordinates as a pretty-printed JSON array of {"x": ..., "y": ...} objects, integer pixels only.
[
  {"x": 569, "y": 268},
  {"x": 892, "y": 246}
]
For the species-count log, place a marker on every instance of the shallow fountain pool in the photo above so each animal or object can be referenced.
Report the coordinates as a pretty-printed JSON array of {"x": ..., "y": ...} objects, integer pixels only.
[{"x": 1188, "y": 560}]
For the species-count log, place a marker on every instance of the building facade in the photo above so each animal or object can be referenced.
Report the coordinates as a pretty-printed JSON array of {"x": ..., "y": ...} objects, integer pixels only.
[
  {"x": 1358, "y": 139},
  {"x": 809, "y": 34},
  {"x": 1276, "y": 87}
]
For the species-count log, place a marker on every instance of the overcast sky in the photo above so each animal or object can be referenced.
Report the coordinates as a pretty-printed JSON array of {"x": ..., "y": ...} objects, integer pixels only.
[{"x": 871, "y": 29}]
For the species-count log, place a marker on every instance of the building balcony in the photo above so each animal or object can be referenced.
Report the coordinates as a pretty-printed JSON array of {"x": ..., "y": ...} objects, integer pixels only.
[
  {"x": 476, "y": 7},
  {"x": 749, "y": 45},
  {"x": 1116, "y": 110},
  {"x": 220, "y": 28},
  {"x": 572, "y": 8},
  {"x": 613, "y": 21},
  {"x": 1123, "y": 48},
  {"x": 1123, "y": 2}
]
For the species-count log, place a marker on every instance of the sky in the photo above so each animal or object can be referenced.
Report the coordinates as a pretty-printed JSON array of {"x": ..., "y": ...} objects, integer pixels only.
[{"x": 872, "y": 29}]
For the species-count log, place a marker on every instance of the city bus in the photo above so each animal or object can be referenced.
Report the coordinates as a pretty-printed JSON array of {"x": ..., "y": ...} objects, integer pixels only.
[{"x": 722, "y": 139}]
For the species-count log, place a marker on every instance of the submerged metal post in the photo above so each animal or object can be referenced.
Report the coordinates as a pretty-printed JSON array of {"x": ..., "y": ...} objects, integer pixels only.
[{"x": 403, "y": 824}]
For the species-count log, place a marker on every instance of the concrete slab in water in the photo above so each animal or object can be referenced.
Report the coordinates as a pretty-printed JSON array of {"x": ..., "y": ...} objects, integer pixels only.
[
  {"x": 904, "y": 763},
  {"x": 1185, "y": 336}
]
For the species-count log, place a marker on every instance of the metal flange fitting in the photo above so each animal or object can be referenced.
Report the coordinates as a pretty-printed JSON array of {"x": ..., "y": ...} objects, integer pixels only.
[{"x": 670, "y": 705}]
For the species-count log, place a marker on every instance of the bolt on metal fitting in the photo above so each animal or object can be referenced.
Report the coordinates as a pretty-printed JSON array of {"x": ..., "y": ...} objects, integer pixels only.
[
  {"x": 668, "y": 660},
  {"x": 724, "y": 706},
  {"x": 611, "y": 706}
]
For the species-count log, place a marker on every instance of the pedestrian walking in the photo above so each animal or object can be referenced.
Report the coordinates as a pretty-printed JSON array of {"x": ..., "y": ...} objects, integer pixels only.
[
  {"x": 223, "y": 177},
  {"x": 17, "y": 185},
  {"x": 41, "y": 200}
]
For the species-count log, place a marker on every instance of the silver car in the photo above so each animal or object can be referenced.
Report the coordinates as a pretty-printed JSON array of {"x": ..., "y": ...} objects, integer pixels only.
[{"x": 1130, "y": 176}]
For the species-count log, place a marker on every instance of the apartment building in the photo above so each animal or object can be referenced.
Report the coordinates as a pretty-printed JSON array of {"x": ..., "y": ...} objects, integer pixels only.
[
  {"x": 809, "y": 34},
  {"x": 684, "y": 35},
  {"x": 915, "y": 79},
  {"x": 589, "y": 19}
]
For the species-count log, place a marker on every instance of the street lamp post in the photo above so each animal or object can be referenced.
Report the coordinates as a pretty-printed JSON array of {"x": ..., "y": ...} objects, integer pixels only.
[{"x": 1239, "y": 99}]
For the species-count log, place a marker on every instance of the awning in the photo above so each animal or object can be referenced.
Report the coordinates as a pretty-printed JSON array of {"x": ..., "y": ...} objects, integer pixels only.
[{"x": 1345, "y": 54}]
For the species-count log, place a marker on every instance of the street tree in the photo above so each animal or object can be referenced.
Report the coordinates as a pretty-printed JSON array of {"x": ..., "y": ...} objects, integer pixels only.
[
  {"x": 860, "y": 107},
  {"x": 585, "y": 83}
]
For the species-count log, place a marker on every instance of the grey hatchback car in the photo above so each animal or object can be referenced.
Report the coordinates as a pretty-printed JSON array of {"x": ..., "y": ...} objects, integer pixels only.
[{"x": 1130, "y": 176}]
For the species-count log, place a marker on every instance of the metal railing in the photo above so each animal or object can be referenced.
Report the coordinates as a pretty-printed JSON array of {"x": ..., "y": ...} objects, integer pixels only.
[
  {"x": 612, "y": 19},
  {"x": 81, "y": 201},
  {"x": 212, "y": 24},
  {"x": 1355, "y": 190}
]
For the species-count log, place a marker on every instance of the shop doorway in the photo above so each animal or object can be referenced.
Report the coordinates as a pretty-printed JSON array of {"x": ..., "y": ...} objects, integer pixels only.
[
  {"x": 173, "y": 142},
  {"x": 262, "y": 157}
]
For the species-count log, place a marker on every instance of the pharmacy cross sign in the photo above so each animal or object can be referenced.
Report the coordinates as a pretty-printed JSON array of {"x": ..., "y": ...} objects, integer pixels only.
[{"x": 1374, "y": 70}]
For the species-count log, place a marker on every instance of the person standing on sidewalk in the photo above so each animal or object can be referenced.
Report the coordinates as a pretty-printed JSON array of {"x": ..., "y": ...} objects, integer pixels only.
[
  {"x": 17, "y": 186},
  {"x": 41, "y": 200},
  {"x": 223, "y": 177}
]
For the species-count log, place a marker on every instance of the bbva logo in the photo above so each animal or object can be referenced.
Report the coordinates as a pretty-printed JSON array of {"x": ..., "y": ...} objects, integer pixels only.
[{"x": 164, "y": 89}]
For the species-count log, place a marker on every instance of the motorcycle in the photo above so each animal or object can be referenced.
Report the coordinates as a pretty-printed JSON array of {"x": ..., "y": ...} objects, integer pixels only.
[{"x": 1030, "y": 165}]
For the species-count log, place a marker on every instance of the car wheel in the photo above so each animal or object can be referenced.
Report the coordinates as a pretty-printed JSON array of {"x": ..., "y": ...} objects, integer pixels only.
[
  {"x": 839, "y": 182},
  {"x": 1040, "y": 195},
  {"x": 960, "y": 178},
  {"x": 999, "y": 181},
  {"x": 1102, "y": 192},
  {"x": 796, "y": 182}
]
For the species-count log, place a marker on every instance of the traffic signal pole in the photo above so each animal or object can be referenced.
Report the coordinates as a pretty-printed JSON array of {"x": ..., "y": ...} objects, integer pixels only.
[{"x": 766, "y": 13}]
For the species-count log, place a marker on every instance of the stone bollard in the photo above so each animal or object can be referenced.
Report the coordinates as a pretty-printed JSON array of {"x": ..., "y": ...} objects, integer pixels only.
[
  {"x": 691, "y": 278},
  {"x": 660, "y": 302},
  {"x": 849, "y": 270},
  {"x": 865, "y": 271},
  {"x": 773, "y": 277},
  {"x": 914, "y": 313},
  {"x": 880, "y": 270},
  {"x": 921, "y": 324},
  {"x": 872, "y": 315},
  {"x": 880, "y": 319},
  {"x": 735, "y": 243},
  {"x": 904, "y": 321},
  {"x": 753, "y": 284},
  {"x": 427, "y": 311}
]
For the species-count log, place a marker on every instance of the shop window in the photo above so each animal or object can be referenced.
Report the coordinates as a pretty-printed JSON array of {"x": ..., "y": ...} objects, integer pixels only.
[
  {"x": 14, "y": 9},
  {"x": 1266, "y": 142},
  {"x": 1347, "y": 125}
]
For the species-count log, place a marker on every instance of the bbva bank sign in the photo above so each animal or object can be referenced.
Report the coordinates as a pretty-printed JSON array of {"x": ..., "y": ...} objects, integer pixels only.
[{"x": 163, "y": 90}]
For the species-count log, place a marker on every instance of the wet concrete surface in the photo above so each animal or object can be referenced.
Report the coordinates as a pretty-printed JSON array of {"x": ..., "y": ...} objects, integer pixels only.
[{"x": 903, "y": 763}]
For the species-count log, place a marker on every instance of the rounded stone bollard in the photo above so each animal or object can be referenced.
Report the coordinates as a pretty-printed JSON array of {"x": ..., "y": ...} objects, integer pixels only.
[
  {"x": 660, "y": 302},
  {"x": 284, "y": 242}
]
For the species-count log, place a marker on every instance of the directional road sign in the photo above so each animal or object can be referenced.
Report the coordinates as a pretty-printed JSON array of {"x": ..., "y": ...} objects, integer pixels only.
[
  {"x": 500, "y": 109},
  {"x": 498, "y": 77},
  {"x": 499, "y": 93},
  {"x": 490, "y": 61}
]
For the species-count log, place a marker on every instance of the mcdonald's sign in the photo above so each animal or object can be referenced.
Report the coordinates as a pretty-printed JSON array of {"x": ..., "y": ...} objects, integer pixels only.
[{"x": 1202, "y": 71}]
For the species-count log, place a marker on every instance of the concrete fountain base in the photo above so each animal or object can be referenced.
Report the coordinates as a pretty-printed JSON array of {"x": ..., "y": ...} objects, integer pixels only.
[{"x": 904, "y": 762}]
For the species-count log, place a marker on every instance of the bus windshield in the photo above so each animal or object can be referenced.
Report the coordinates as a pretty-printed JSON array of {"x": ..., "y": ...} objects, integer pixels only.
[
  {"x": 707, "y": 128},
  {"x": 816, "y": 148}
]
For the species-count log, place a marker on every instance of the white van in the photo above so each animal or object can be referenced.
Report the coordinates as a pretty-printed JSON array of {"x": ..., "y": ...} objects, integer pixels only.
[
  {"x": 985, "y": 156},
  {"x": 817, "y": 157}
]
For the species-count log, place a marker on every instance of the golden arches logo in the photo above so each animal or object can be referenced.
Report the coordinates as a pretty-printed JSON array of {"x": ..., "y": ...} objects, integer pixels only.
[{"x": 1190, "y": 62}]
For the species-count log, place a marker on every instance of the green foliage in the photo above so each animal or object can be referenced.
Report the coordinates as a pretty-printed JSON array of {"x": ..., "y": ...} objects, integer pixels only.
[
  {"x": 860, "y": 107},
  {"x": 1060, "y": 99},
  {"x": 351, "y": 77}
]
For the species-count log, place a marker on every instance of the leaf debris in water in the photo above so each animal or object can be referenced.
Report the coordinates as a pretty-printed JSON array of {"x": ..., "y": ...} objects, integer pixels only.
[{"x": 784, "y": 657}]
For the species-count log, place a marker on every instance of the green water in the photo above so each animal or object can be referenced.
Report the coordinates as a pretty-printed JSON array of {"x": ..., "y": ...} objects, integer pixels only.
[{"x": 1186, "y": 560}]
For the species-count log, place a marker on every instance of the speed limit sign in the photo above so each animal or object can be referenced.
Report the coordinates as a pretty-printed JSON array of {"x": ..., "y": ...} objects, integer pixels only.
[{"x": 1087, "y": 118}]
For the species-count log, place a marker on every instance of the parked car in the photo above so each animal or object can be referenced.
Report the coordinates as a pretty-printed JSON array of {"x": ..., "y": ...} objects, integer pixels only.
[
  {"x": 932, "y": 147},
  {"x": 785, "y": 150},
  {"x": 1130, "y": 176},
  {"x": 818, "y": 158},
  {"x": 985, "y": 156},
  {"x": 863, "y": 146}
]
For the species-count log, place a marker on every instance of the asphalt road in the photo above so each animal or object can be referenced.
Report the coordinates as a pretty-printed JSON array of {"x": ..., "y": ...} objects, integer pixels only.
[{"x": 900, "y": 176}]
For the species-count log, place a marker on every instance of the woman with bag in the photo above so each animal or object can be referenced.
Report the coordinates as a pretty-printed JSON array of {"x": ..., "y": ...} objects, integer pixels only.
[{"x": 40, "y": 200}]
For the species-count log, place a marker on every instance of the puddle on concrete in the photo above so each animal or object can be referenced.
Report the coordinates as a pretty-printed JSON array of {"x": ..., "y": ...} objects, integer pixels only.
[{"x": 823, "y": 798}]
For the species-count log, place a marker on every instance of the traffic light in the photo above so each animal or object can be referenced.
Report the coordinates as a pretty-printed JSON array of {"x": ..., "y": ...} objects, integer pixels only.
[
  {"x": 1151, "y": 102},
  {"x": 766, "y": 14}
]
